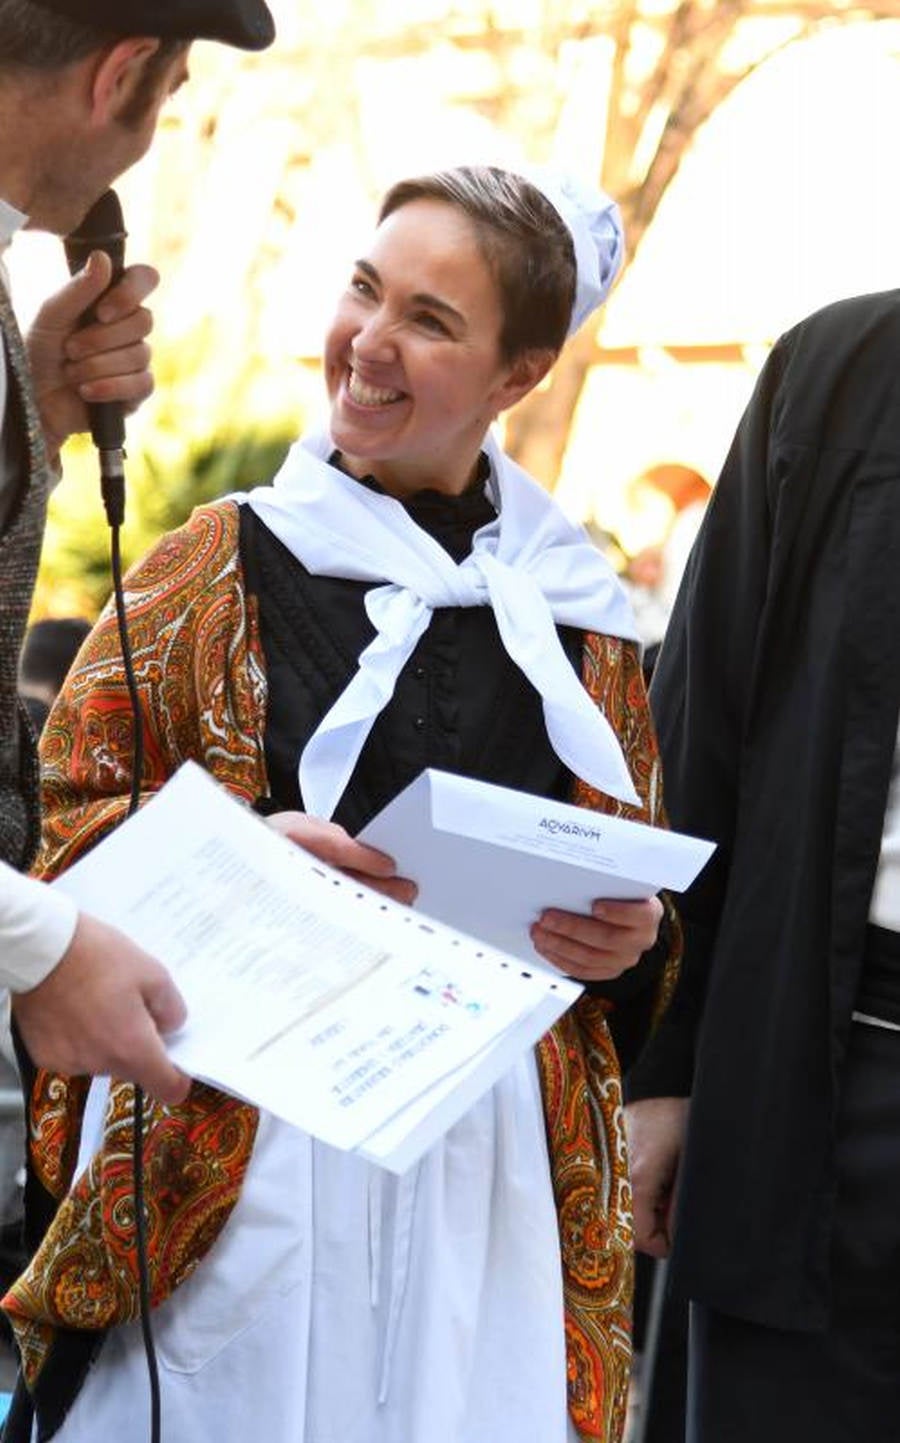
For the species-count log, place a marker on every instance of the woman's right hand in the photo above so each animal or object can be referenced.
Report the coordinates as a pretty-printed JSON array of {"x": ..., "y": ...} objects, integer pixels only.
[{"x": 332, "y": 844}]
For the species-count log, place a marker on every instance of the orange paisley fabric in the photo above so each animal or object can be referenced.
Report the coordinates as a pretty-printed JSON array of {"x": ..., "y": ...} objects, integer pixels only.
[{"x": 201, "y": 679}]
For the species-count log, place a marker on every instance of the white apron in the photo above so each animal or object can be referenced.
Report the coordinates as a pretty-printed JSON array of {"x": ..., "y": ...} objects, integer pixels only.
[{"x": 344, "y": 1305}]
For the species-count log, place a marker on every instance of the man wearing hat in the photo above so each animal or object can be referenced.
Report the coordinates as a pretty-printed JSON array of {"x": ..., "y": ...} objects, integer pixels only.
[{"x": 82, "y": 83}]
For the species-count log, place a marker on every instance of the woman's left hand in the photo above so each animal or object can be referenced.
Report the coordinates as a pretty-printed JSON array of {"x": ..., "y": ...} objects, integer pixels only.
[{"x": 602, "y": 945}]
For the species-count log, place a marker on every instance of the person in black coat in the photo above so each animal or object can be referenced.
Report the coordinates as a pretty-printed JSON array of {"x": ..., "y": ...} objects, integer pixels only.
[{"x": 776, "y": 698}]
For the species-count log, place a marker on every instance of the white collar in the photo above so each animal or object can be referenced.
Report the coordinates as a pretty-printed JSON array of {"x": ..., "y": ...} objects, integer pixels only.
[
  {"x": 531, "y": 565},
  {"x": 11, "y": 220}
]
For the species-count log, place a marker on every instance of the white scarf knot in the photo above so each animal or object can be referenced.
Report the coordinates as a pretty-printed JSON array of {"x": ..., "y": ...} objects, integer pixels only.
[{"x": 530, "y": 564}]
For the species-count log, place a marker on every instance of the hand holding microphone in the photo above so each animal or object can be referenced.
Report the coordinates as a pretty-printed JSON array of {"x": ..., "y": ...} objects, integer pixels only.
[
  {"x": 76, "y": 363},
  {"x": 104, "y": 1005},
  {"x": 102, "y": 229}
]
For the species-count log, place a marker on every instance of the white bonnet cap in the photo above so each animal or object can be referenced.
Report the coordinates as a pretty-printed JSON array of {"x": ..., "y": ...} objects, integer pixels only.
[{"x": 595, "y": 225}]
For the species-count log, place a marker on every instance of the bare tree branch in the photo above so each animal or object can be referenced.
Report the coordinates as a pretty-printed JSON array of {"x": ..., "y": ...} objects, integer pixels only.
[{"x": 689, "y": 82}]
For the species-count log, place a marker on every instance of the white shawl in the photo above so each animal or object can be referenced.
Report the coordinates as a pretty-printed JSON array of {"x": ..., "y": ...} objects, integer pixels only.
[{"x": 530, "y": 564}]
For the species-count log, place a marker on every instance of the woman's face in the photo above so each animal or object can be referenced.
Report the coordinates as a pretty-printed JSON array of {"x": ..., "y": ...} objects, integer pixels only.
[{"x": 412, "y": 358}]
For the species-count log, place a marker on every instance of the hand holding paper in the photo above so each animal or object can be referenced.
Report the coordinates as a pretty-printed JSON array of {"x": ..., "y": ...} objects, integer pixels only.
[
  {"x": 309, "y": 994},
  {"x": 334, "y": 845},
  {"x": 489, "y": 860},
  {"x": 601, "y": 945},
  {"x": 369, "y": 1025}
]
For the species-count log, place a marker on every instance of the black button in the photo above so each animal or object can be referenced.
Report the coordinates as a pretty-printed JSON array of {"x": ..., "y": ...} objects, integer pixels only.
[
  {"x": 419, "y": 673},
  {"x": 419, "y": 723}
]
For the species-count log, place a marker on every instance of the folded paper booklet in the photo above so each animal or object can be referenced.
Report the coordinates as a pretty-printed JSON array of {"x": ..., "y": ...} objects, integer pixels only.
[
  {"x": 488, "y": 859},
  {"x": 359, "y": 1020}
]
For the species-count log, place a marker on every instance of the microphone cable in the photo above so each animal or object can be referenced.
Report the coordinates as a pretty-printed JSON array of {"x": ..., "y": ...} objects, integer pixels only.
[
  {"x": 103, "y": 228},
  {"x": 137, "y": 769}
]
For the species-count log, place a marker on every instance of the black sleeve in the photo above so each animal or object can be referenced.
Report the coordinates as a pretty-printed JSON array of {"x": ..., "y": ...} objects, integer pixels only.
[
  {"x": 699, "y": 698},
  {"x": 633, "y": 997}
]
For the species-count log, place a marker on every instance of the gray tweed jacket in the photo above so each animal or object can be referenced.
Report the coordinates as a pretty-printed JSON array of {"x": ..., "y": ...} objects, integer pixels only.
[{"x": 20, "y": 547}]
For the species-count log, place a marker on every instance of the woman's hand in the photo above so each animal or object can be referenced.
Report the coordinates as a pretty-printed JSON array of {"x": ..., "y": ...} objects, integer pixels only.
[
  {"x": 332, "y": 844},
  {"x": 602, "y": 945}
]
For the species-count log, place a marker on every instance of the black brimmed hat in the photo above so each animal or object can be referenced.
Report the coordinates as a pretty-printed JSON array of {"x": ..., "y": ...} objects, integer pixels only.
[{"x": 245, "y": 23}]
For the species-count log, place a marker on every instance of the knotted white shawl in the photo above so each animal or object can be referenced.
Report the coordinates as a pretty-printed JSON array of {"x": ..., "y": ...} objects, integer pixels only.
[{"x": 530, "y": 564}]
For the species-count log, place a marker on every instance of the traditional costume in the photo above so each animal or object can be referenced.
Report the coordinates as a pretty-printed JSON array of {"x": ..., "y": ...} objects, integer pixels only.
[{"x": 300, "y": 1292}]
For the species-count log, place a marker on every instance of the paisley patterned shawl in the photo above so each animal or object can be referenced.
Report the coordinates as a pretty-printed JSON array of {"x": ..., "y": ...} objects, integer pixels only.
[{"x": 201, "y": 676}]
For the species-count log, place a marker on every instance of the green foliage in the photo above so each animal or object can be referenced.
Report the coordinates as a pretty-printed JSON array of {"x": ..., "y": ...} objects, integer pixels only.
[
  {"x": 220, "y": 420},
  {"x": 164, "y": 486},
  {"x": 211, "y": 469}
]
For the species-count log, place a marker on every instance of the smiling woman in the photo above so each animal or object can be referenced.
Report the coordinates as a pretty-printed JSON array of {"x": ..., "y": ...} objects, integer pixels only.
[
  {"x": 412, "y": 359},
  {"x": 401, "y": 596},
  {"x": 415, "y": 360}
]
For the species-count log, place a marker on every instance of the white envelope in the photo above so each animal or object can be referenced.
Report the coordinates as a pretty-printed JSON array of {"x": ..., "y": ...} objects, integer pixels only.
[{"x": 488, "y": 859}]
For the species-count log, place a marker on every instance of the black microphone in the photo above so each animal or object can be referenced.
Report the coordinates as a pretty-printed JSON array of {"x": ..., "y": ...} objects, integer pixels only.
[{"x": 103, "y": 229}]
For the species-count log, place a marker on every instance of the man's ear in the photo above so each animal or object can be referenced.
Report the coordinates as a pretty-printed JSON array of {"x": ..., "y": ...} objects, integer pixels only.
[
  {"x": 526, "y": 372},
  {"x": 117, "y": 74}
]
